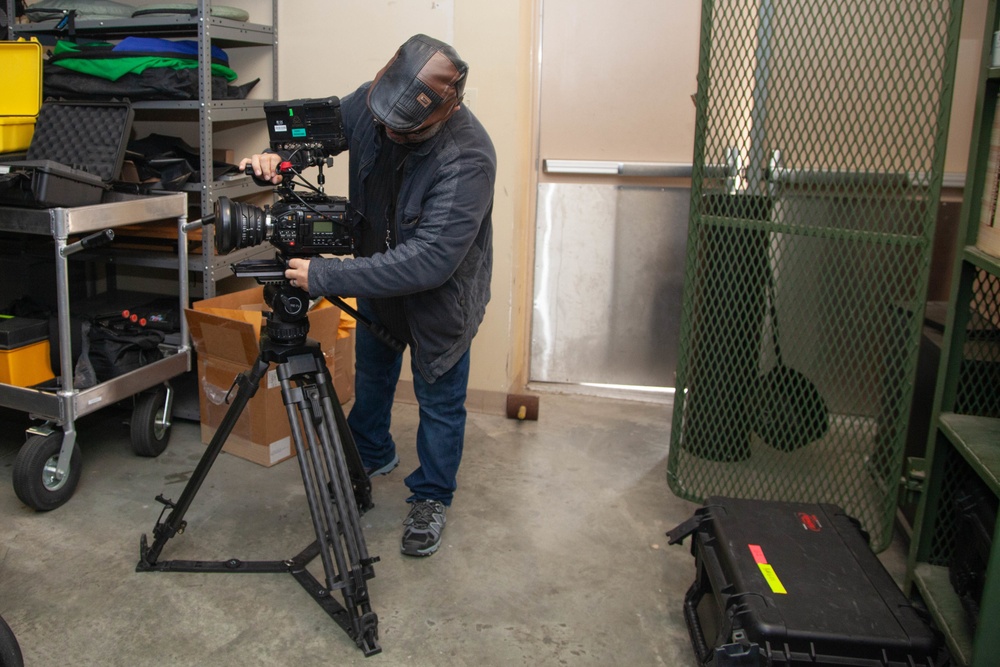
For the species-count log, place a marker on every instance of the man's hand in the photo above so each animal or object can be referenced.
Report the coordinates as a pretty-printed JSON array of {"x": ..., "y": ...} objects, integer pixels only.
[
  {"x": 265, "y": 166},
  {"x": 298, "y": 273}
]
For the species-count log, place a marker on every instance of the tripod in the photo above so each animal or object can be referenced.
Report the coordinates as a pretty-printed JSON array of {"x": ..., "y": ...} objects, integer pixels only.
[{"x": 328, "y": 460}]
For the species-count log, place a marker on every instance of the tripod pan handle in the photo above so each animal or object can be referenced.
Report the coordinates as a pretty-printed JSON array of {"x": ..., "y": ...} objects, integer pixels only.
[{"x": 376, "y": 330}]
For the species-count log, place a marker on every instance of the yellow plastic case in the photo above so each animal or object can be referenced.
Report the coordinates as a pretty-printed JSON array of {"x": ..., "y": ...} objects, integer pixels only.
[
  {"x": 26, "y": 366},
  {"x": 16, "y": 133},
  {"x": 20, "y": 92}
]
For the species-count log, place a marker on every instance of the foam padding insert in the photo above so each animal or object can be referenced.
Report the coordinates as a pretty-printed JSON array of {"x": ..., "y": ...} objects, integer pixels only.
[{"x": 90, "y": 136}]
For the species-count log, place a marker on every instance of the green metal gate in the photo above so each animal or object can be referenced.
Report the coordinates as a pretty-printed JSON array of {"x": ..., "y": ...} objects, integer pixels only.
[{"x": 819, "y": 156}]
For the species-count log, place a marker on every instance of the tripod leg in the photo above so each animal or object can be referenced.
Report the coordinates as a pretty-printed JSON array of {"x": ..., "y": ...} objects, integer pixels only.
[
  {"x": 248, "y": 382},
  {"x": 334, "y": 513},
  {"x": 359, "y": 479},
  {"x": 320, "y": 506},
  {"x": 343, "y": 455}
]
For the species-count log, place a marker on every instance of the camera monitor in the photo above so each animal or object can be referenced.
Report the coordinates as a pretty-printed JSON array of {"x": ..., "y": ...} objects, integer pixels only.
[{"x": 306, "y": 123}]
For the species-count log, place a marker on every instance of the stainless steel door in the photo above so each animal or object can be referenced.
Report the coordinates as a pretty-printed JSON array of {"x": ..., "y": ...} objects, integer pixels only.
[{"x": 609, "y": 263}]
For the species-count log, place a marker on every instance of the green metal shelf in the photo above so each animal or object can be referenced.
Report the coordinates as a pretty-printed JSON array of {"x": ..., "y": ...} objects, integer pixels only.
[
  {"x": 977, "y": 439},
  {"x": 980, "y": 259},
  {"x": 946, "y": 609}
]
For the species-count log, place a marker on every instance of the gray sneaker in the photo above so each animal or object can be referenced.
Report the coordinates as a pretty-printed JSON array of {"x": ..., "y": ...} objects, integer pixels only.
[
  {"x": 383, "y": 470},
  {"x": 424, "y": 525}
]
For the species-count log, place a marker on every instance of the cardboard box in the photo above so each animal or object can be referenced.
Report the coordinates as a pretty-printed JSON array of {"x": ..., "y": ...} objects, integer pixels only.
[
  {"x": 225, "y": 332},
  {"x": 227, "y": 155}
]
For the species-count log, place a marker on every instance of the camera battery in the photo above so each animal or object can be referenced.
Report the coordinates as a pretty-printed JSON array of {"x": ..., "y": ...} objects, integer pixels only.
[{"x": 781, "y": 583}]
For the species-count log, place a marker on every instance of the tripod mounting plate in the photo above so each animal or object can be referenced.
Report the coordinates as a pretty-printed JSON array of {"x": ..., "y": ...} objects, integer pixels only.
[{"x": 262, "y": 270}]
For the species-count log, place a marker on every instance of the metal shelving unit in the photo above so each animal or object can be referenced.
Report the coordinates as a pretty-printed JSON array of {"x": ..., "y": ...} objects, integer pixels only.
[
  {"x": 208, "y": 30},
  {"x": 964, "y": 444}
]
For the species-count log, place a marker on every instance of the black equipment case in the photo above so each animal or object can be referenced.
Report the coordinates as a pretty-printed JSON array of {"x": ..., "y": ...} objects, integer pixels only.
[
  {"x": 782, "y": 584},
  {"x": 77, "y": 149}
]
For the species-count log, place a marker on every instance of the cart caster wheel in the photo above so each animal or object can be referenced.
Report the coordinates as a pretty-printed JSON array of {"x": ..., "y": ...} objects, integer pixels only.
[
  {"x": 36, "y": 481},
  {"x": 150, "y": 424},
  {"x": 10, "y": 652}
]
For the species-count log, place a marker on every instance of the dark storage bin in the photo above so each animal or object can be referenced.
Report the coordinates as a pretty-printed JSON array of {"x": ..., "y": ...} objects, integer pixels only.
[
  {"x": 20, "y": 331},
  {"x": 788, "y": 584}
]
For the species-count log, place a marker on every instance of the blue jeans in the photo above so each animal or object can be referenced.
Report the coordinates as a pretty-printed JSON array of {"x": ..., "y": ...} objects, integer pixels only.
[{"x": 441, "y": 432}]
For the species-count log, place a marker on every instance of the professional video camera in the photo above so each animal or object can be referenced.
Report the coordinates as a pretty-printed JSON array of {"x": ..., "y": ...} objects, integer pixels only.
[{"x": 305, "y": 133}]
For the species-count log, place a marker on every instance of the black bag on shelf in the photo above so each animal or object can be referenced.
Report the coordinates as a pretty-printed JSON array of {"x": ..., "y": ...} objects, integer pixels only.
[
  {"x": 153, "y": 84},
  {"x": 116, "y": 346},
  {"x": 161, "y": 314},
  {"x": 168, "y": 162}
]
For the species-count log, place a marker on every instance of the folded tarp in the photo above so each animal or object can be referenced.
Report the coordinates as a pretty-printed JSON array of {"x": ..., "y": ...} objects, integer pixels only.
[
  {"x": 139, "y": 68},
  {"x": 134, "y": 55}
]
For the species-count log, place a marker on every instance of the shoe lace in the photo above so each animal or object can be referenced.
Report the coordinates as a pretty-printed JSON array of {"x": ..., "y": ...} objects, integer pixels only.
[{"x": 422, "y": 514}]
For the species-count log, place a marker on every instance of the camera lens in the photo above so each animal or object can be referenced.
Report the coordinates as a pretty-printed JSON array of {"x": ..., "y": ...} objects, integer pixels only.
[{"x": 238, "y": 225}]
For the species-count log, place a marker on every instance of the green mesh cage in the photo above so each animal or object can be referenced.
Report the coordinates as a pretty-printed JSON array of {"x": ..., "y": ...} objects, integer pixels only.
[{"x": 819, "y": 153}]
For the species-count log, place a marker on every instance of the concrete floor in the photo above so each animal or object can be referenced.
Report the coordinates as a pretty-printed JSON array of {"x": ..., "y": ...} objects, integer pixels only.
[{"x": 554, "y": 553}]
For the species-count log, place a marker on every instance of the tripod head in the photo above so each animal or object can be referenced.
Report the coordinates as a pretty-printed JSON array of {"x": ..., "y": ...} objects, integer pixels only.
[{"x": 288, "y": 321}]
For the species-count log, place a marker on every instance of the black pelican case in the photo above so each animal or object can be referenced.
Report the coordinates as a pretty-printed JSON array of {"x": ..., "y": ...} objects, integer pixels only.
[
  {"x": 77, "y": 149},
  {"x": 783, "y": 584}
]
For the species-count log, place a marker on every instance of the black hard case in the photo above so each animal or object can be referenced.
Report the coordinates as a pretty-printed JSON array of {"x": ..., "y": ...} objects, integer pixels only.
[
  {"x": 840, "y": 606},
  {"x": 77, "y": 149},
  {"x": 46, "y": 184},
  {"x": 17, "y": 332}
]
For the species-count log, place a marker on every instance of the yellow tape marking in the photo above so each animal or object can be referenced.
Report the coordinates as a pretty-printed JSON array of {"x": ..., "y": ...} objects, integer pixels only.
[{"x": 772, "y": 578}]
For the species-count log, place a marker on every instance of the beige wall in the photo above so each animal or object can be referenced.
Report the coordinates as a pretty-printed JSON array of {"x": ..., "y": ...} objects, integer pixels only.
[{"x": 966, "y": 79}]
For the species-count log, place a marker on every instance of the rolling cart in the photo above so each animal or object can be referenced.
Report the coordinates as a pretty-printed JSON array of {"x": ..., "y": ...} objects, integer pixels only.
[{"x": 47, "y": 467}]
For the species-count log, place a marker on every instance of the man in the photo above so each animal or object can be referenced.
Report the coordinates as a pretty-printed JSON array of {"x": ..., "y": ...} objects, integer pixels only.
[{"x": 422, "y": 171}]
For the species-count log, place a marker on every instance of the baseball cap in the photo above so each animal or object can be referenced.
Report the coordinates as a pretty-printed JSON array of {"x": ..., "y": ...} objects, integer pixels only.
[{"x": 421, "y": 84}]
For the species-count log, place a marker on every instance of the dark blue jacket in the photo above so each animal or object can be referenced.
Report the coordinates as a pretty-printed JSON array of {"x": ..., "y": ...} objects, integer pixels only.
[{"x": 443, "y": 260}]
